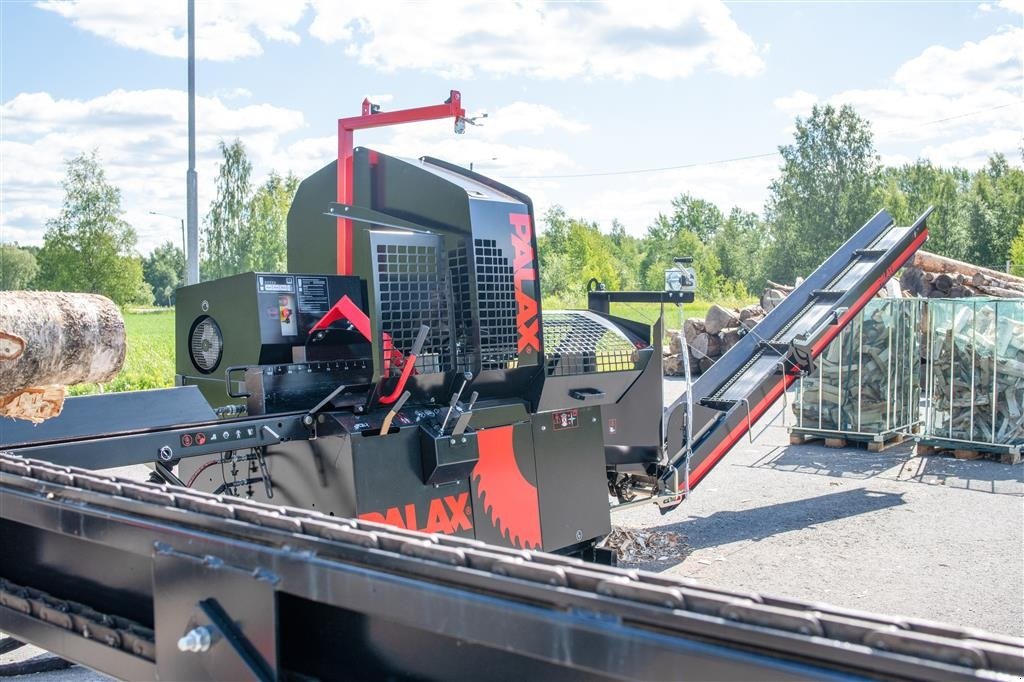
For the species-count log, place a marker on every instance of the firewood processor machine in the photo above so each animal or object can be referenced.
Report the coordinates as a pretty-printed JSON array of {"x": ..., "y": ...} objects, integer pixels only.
[{"x": 401, "y": 376}]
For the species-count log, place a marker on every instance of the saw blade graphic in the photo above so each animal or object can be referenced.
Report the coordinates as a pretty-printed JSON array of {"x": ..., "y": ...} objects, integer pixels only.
[{"x": 508, "y": 498}]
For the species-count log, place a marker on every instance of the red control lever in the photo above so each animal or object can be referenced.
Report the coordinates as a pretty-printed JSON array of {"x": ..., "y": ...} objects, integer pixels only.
[{"x": 410, "y": 360}]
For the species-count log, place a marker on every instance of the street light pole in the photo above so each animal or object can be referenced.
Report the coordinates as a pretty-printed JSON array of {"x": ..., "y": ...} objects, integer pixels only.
[
  {"x": 191, "y": 179},
  {"x": 184, "y": 243}
]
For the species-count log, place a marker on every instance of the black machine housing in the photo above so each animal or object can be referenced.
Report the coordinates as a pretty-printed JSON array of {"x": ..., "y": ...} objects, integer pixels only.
[{"x": 521, "y": 464}]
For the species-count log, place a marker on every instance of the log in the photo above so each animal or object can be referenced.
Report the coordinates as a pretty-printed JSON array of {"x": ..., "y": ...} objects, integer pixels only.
[
  {"x": 980, "y": 279},
  {"x": 1000, "y": 292},
  {"x": 784, "y": 288},
  {"x": 718, "y": 318},
  {"x": 770, "y": 298},
  {"x": 65, "y": 339},
  {"x": 675, "y": 343},
  {"x": 943, "y": 282},
  {"x": 691, "y": 327},
  {"x": 730, "y": 337},
  {"x": 751, "y": 311},
  {"x": 700, "y": 346},
  {"x": 935, "y": 263}
]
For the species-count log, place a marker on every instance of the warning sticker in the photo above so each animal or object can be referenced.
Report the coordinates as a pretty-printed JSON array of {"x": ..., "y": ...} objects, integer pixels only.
[{"x": 566, "y": 419}]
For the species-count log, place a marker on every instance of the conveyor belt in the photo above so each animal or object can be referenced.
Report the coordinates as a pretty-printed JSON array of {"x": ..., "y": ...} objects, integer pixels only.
[
  {"x": 111, "y": 573},
  {"x": 740, "y": 387}
]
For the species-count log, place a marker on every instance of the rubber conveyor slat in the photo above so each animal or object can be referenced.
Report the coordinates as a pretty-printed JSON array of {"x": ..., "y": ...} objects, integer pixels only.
[{"x": 568, "y": 614}]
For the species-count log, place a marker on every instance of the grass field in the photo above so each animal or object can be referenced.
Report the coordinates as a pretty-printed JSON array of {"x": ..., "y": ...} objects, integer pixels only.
[{"x": 149, "y": 362}]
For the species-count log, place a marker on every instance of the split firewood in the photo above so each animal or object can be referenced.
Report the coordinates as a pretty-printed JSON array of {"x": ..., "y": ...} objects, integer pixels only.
[
  {"x": 56, "y": 339},
  {"x": 867, "y": 380},
  {"x": 976, "y": 367}
]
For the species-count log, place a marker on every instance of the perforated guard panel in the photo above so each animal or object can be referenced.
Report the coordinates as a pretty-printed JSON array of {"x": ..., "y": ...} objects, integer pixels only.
[
  {"x": 496, "y": 293},
  {"x": 462, "y": 308},
  {"x": 584, "y": 343},
  {"x": 411, "y": 292}
]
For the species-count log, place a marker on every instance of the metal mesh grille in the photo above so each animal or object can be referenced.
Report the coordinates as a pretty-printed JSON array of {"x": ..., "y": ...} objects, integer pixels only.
[
  {"x": 495, "y": 283},
  {"x": 411, "y": 290},
  {"x": 205, "y": 344},
  {"x": 462, "y": 307},
  {"x": 580, "y": 344}
]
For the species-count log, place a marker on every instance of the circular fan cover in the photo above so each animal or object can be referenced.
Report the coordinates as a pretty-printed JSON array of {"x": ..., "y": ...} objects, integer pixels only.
[{"x": 205, "y": 344}]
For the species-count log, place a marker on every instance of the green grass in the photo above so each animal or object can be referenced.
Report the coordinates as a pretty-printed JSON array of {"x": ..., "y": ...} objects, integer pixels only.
[
  {"x": 648, "y": 312},
  {"x": 149, "y": 361}
]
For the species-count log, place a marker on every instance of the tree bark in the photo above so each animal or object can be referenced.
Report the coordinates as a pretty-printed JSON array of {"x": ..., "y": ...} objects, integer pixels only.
[
  {"x": 935, "y": 263},
  {"x": 64, "y": 339}
]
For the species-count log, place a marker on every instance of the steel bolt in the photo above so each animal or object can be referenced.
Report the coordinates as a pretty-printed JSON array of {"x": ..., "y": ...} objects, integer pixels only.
[
  {"x": 543, "y": 428},
  {"x": 195, "y": 640},
  {"x": 463, "y": 439},
  {"x": 166, "y": 453},
  {"x": 452, "y": 441}
]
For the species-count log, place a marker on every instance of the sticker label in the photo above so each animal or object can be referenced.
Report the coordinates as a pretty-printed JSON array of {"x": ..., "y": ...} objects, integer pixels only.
[
  {"x": 276, "y": 283},
  {"x": 566, "y": 419}
]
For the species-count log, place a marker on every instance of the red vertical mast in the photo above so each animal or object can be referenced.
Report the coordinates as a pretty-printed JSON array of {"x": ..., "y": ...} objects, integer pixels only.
[{"x": 372, "y": 118}]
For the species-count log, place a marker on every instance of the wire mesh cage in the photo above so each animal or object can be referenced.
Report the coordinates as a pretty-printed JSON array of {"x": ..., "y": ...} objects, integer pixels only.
[
  {"x": 867, "y": 383},
  {"x": 975, "y": 374}
]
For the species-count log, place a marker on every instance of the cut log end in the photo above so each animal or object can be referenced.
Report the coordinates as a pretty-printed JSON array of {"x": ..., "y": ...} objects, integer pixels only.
[{"x": 35, "y": 404}]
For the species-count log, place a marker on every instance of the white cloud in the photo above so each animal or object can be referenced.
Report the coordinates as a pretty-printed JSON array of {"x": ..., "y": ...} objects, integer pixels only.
[
  {"x": 380, "y": 99},
  {"x": 551, "y": 41},
  {"x": 1015, "y": 6},
  {"x": 954, "y": 106},
  {"x": 141, "y": 137},
  {"x": 225, "y": 29},
  {"x": 799, "y": 102}
]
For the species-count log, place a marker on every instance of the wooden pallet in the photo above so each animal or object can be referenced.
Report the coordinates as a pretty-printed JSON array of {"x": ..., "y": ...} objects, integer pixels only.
[
  {"x": 1004, "y": 456},
  {"x": 848, "y": 440}
]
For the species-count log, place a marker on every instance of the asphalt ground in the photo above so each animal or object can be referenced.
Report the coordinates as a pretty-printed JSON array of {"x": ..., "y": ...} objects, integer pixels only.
[{"x": 930, "y": 537}]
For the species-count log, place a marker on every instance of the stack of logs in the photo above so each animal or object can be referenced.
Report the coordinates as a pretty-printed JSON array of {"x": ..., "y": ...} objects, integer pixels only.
[
  {"x": 932, "y": 276},
  {"x": 709, "y": 337},
  {"x": 980, "y": 351}
]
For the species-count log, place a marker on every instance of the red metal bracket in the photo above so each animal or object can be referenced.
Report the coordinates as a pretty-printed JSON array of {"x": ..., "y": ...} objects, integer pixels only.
[{"x": 451, "y": 108}]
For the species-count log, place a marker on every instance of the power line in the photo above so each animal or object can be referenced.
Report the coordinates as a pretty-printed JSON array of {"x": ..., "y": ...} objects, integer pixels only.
[{"x": 719, "y": 162}]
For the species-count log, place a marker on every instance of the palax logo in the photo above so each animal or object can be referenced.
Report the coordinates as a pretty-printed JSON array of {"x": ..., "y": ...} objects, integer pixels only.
[
  {"x": 444, "y": 515},
  {"x": 525, "y": 270}
]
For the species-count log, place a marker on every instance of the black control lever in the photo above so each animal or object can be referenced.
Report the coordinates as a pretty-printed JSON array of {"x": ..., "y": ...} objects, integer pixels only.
[
  {"x": 463, "y": 421},
  {"x": 466, "y": 377}
]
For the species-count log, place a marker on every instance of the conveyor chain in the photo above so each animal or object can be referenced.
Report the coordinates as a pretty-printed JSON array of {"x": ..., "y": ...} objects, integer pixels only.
[
  {"x": 114, "y": 631},
  {"x": 900, "y": 647}
]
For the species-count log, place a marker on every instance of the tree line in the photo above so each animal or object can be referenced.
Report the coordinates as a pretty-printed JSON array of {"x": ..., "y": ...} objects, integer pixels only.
[{"x": 829, "y": 184}]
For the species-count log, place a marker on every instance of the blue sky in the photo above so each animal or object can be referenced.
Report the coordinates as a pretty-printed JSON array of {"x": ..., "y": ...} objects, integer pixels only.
[{"x": 570, "y": 89}]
